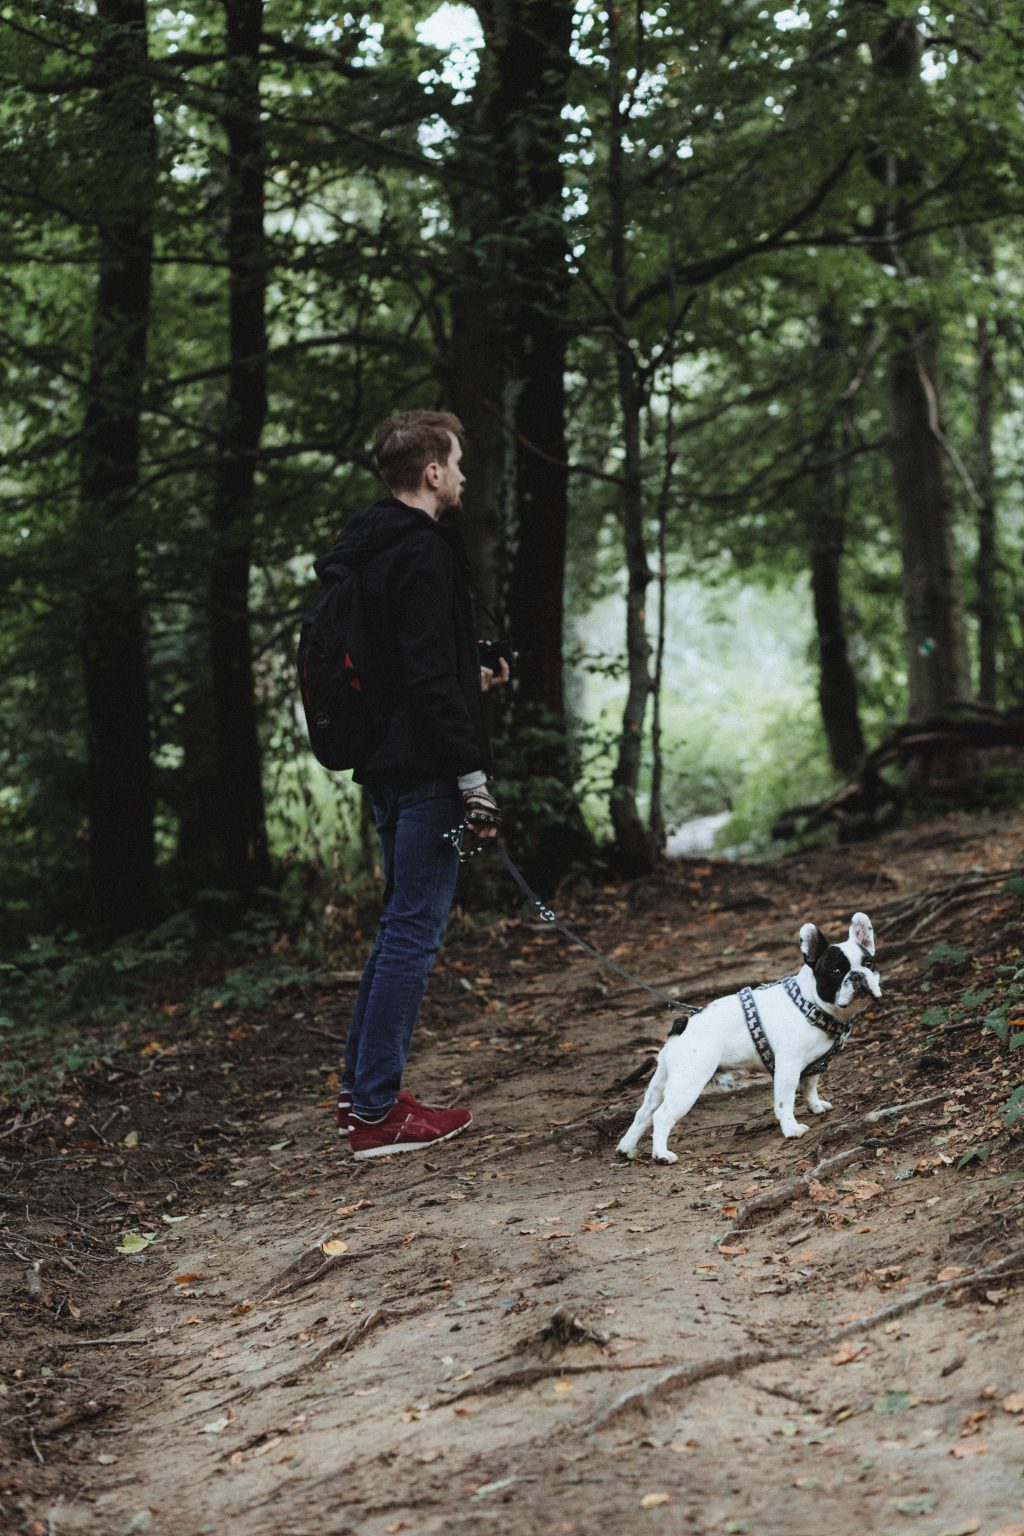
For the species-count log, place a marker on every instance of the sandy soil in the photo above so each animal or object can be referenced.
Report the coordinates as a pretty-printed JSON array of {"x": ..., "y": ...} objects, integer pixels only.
[{"x": 519, "y": 1330}]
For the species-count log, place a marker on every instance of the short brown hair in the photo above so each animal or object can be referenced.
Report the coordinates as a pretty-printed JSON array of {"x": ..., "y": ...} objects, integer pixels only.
[{"x": 404, "y": 445}]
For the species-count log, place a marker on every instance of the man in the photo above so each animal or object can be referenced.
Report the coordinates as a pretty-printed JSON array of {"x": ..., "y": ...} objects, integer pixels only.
[{"x": 429, "y": 771}]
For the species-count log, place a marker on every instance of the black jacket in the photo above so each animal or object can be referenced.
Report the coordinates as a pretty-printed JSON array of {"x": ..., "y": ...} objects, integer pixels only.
[{"x": 423, "y": 641}]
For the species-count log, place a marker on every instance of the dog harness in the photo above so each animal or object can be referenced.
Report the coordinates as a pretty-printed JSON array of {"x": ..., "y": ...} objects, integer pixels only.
[{"x": 838, "y": 1033}]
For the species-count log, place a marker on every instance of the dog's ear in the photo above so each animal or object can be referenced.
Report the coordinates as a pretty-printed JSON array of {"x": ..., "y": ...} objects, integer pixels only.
[
  {"x": 813, "y": 943},
  {"x": 862, "y": 931}
]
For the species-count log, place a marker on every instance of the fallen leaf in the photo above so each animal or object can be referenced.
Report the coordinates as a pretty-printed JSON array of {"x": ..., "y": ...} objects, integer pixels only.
[
  {"x": 547, "y": 1236},
  {"x": 563, "y": 1385},
  {"x": 866, "y": 1189},
  {"x": 951, "y": 1272},
  {"x": 135, "y": 1242},
  {"x": 847, "y": 1352},
  {"x": 131, "y": 1140},
  {"x": 596, "y": 1226},
  {"x": 819, "y": 1191},
  {"x": 922, "y": 1504},
  {"x": 268, "y": 1445},
  {"x": 1014, "y": 1403},
  {"x": 654, "y": 1500},
  {"x": 350, "y": 1210},
  {"x": 187, "y": 1279},
  {"x": 731, "y": 1250},
  {"x": 973, "y": 1448},
  {"x": 333, "y": 1247},
  {"x": 215, "y": 1426}
]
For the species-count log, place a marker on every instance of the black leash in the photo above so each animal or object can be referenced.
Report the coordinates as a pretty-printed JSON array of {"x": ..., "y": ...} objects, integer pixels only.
[{"x": 455, "y": 837}]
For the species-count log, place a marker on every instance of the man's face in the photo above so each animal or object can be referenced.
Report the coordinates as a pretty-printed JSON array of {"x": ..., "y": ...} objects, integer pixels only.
[{"x": 449, "y": 489}]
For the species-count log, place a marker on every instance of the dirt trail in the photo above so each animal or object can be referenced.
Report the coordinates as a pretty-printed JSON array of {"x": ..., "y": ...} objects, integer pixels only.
[{"x": 512, "y": 1331}]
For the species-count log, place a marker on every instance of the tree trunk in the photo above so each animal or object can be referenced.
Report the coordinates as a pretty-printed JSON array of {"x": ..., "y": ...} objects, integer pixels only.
[
  {"x": 984, "y": 479},
  {"x": 837, "y": 682},
  {"x": 509, "y": 348},
  {"x": 239, "y": 764},
  {"x": 636, "y": 846},
  {"x": 936, "y": 640},
  {"x": 120, "y": 777}
]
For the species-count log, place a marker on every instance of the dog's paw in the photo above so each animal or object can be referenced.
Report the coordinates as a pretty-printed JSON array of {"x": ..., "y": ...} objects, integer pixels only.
[
  {"x": 796, "y": 1129},
  {"x": 624, "y": 1151},
  {"x": 665, "y": 1157},
  {"x": 819, "y": 1106}
]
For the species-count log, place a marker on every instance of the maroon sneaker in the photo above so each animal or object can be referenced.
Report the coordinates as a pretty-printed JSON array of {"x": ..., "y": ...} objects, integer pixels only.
[
  {"x": 407, "y": 1127},
  {"x": 344, "y": 1108}
]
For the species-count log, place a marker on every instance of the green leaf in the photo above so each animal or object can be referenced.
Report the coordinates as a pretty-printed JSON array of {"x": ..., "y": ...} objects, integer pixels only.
[
  {"x": 135, "y": 1242},
  {"x": 933, "y": 1016},
  {"x": 975, "y": 1155},
  {"x": 947, "y": 955},
  {"x": 1015, "y": 885},
  {"x": 893, "y": 1402},
  {"x": 996, "y": 1021},
  {"x": 1017, "y": 1041},
  {"x": 1014, "y": 1106}
]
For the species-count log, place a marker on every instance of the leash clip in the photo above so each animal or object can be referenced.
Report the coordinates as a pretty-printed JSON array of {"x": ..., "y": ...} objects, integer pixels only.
[{"x": 455, "y": 836}]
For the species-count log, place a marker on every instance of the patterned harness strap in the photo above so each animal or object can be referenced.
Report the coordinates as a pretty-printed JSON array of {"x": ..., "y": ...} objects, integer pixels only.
[{"x": 839, "y": 1033}]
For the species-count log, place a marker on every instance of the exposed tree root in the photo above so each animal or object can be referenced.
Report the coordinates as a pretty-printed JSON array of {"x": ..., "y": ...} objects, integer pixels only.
[
  {"x": 678, "y": 1377},
  {"x": 339, "y": 1346},
  {"x": 782, "y": 1194},
  {"x": 864, "y": 805},
  {"x": 526, "y": 1375},
  {"x": 878, "y": 1116}
]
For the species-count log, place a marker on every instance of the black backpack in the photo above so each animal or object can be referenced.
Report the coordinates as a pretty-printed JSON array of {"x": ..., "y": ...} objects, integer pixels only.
[{"x": 343, "y": 716}]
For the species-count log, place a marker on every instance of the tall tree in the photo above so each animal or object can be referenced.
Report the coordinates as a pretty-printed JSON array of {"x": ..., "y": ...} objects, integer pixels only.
[
  {"x": 239, "y": 763},
  {"x": 120, "y": 783},
  {"x": 509, "y": 312},
  {"x": 933, "y": 615}
]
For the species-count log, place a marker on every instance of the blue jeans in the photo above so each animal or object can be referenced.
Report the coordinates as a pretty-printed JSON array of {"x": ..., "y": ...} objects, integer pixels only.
[{"x": 420, "y": 871}]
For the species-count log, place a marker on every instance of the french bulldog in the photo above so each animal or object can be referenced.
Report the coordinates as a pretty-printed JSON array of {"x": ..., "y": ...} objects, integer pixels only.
[{"x": 834, "y": 984}]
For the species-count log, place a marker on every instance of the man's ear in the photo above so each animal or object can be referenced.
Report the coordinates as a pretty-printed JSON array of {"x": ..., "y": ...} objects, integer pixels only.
[{"x": 813, "y": 943}]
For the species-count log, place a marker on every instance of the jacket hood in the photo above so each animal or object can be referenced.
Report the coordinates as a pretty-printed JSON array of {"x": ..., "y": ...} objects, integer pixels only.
[{"x": 376, "y": 528}]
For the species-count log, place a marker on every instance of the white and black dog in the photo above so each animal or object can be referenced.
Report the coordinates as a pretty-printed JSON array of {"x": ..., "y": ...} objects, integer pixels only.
[{"x": 786, "y": 1029}]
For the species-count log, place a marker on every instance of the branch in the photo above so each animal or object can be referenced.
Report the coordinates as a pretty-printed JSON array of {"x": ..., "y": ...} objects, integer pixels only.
[{"x": 731, "y": 1365}]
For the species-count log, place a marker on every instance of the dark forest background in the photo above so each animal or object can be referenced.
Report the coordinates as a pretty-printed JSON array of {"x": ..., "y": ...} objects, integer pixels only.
[{"x": 722, "y": 293}]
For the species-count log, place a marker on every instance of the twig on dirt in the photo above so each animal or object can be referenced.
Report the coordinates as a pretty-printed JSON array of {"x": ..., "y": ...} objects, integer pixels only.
[
  {"x": 296, "y": 1263},
  {"x": 877, "y": 1116},
  {"x": 782, "y": 1194},
  {"x": 340, "y": 1346},
  {"x": 526, "y": 1375},
  {"x": 118, "y": 1338},
  {"x": 331, "y": 1262},
  {"x": 732, "y": 1365}
]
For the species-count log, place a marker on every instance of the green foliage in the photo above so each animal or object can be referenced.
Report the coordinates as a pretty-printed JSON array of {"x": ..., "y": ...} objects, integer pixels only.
[
  {"x": 756, "y": 322},
  {"x": 949, "y": 958}
]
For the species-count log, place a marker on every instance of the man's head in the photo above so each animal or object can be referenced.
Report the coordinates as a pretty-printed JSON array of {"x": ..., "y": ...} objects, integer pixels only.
[{"x": 418, "y": 455}]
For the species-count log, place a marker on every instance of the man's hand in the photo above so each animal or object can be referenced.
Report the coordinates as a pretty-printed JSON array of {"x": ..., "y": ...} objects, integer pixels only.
[
  {"x": 483, "y": 818},
  {"x": 491, "y": 679}
]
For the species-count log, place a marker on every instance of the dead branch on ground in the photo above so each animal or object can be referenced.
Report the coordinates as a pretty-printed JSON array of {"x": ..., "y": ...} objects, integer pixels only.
[
  {"x": 782, "y": 1194},
  {"x": 678, "y": 1377}
]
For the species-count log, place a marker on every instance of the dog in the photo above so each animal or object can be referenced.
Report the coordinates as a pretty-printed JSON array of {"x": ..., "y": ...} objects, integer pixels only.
[{"x": 746, "y": 1029}]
